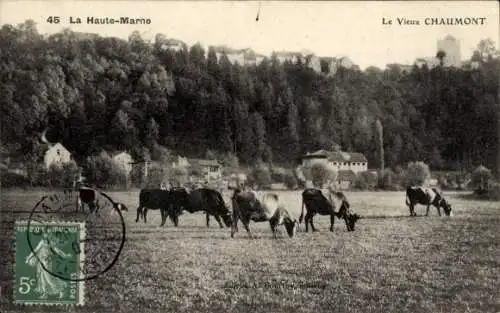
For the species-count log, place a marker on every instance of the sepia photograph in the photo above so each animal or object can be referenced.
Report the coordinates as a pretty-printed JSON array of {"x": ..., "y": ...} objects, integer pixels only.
[{"x": 249, "y": 156}]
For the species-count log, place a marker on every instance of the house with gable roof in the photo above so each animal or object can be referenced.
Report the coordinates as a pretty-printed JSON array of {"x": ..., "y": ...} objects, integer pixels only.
[{"x": 348, "y": 164}]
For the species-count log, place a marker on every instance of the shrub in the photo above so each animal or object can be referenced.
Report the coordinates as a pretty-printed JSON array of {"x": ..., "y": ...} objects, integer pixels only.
[
  {"x": 231, "y": 163},
  {"x": 366, "y": 180},
  {"x": 494, "y": 192},
  {"x": 260, "y": 176},
  {"x": 156, "y": 175},
  {"x": 10, "y": 179},
  {"x": 480, "y": 178},
  {"x": 417, "y": 173},
  {"x": 179, "y": 175},
  {"x": 290, "y": 180},
  {"x": 161, "y": 154},
  {"x": 322, "y": 174},
  {"x": 63, "y": 176},
  {"x": 101, "y": 170},
  {"x": 278, "y": 175},
  {"x": 386, "y": 179}
]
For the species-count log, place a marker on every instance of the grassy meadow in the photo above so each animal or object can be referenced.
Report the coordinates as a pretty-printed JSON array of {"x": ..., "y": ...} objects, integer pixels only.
[{"x": 391, "y": 263}]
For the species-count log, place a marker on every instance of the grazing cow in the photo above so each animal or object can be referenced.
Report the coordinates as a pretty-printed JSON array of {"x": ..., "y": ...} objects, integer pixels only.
[
  {"x": 153, "y": 199},
  {"x": 87, "y": 195},
  {"x": 428, "y": 197},
  {"x": 201, "y": 199},
  {"x": 316, "y": 203},
  {"x": 247, "y": 207}
]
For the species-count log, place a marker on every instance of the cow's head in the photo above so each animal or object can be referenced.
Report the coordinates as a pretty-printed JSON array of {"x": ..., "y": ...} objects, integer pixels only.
[
  {"x": 351, "y": 220},
  {"x": 121, "y": 207},
  {"x": 291, "y": 226},
  {"x": 446, "y": 207},
  {"x": 228, "y": 220}
]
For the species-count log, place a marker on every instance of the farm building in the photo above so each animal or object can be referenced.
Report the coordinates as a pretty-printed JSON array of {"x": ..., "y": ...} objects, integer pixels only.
[
  {"x": 56, "y": 154},
  {"x": 350, "y": 161},
  {"x": 210, "y": 170}
]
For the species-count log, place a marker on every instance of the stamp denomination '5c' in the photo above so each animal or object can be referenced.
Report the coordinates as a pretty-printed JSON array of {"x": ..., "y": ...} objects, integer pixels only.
[{"x": 49, "y": 263}]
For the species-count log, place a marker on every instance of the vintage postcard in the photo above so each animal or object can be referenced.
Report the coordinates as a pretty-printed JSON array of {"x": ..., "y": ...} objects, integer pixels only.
[{"x": 250, "y": 156}]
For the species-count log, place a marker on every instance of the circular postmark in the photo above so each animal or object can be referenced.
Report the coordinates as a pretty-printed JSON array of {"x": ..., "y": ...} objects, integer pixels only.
[{"x": 76, "y": 235}]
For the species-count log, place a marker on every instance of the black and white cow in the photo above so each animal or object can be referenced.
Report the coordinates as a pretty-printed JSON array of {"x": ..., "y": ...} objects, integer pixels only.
[
  {"x": 88, "y": 196},
  {"x": 316, "y": 203},
  {"x": 248, "y": 206},
  {"x": 426, "y": 196}
]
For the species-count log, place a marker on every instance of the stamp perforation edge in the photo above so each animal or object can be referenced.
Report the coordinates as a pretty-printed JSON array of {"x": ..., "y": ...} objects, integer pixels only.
[{"x": 81, "y": 262}]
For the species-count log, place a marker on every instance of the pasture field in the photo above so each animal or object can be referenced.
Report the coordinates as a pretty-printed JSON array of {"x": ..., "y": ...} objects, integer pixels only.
[{"x": 390, "y": 263}]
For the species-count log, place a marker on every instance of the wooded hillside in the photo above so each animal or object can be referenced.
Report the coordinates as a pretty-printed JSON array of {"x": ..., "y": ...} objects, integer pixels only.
[{"x": 96, "y": 93}]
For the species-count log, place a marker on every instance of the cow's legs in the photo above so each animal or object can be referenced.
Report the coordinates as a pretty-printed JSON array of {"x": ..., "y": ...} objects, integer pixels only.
[
  {"x": 273, "y": 223},
  {"x": 332, "y": 221},
  {"x": 234, "y": 226},
  {"x": 208, "y": 219},
  {"x": 307, "y": 220},
  {"x": 311, "y": 222},
  {"x": 412, "y": 210},
  {"x": 163, "y": 216},
  {"x": 217, "y": 218},
  {"x": 144, "y": 214},
  {"x": 427, "y": 210},
  {"x": 139, "y": 213},
  {"x": 246, "y": 224},
  {"x": 439, "y": 210}
]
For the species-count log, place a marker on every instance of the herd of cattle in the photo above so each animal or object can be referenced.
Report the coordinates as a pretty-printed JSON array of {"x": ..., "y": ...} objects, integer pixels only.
[{"x": 248, "y": 206}]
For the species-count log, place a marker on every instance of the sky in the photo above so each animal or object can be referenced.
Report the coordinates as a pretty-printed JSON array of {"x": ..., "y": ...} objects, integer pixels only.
[{"x": 326, "y": 28}]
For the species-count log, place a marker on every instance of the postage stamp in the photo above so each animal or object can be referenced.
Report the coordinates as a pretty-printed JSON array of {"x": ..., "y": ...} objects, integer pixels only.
[{"x": 49, "y": 262}]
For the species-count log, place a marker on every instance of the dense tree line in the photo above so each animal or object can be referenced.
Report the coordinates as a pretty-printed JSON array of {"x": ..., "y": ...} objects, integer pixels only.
[{"x": 97, "y": 93}]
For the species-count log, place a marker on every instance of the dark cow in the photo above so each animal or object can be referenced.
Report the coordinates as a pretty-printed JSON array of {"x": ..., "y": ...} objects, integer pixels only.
[
  {"x": 87, "y": 195},
  {"x": 428, "y": 197},
  {"x": 316, "y": 203},
  {"x": 201, "y": 199},
  {"x": 154, "y": 199},
  {"x": 248, "y": 207}
]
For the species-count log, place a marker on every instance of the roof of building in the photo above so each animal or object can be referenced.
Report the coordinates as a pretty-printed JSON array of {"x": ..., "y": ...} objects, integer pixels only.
[
  {"x": 57, "y": 146},
  {"x": 317, "y": 154},
  {"x": 337, "y": 156},
  {"x": 203, "y": 162},
  {"x": 113, "y": 154}
]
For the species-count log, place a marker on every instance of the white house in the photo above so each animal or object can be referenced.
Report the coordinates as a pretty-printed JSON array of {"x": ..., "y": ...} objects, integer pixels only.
[
  {"x": 340, "y": 160},
  {"x": 56, "y": 154}
]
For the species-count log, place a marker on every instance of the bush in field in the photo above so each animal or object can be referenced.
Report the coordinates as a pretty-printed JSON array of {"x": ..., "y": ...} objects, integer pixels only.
[
  {"x": 179, "y": 175},
  {"x": 365, "y": 180},
  {"x": 156, "y": 175},
  {"x": 386, "y": 180},
  {"x": 260, "y": 176},
  {"x": 300, "y": 176},
  {"x": 322, "y": 174},
  {"x": 63, "y": 176},
  {"x": 278, "y": 175},
  {"x": 290, "y": 180},
  {"x": 230, "y": 162},
  {"x": 480, "y": 178},
  {"x": 494, "y": 192},
  {"x": 101, "y": 170},
  {"x": 161, "y": 154},
  {"x": 10, "y": 179},
  {"x": 417, "y": 173}
]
